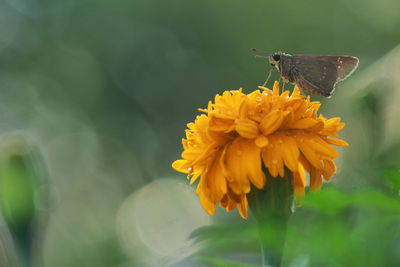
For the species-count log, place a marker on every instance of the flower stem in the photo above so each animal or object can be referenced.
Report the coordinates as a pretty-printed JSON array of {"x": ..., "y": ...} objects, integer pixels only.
[{"x": 272, "y": 207}]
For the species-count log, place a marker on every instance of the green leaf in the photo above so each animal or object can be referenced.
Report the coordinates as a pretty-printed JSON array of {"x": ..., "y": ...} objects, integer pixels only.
[
  {"x": 328, "y": 201},
  {"x": 392, "y": 176}
]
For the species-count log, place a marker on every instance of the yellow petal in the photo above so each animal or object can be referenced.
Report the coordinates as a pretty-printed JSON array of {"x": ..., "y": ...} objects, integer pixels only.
[
  {"x": 275, "y": 88},
  {"x": 205, "y": 200},
  {"x": 315, "y": 179},
  {"x": 243, "y": 210},
  {"x": 271, "y": 122},
  {"x": 267, "y": 157},
  {"x": 243, "y": 162},
  {"x": 181, "y": 165},
  {"x": 234, "y": 164},
  {"x": 296, "y": 92},
  {"x": 195, "y": 176},
  {"x": 336, "y": 142},
  {"x": 305, "y": 163},
  {"x": 220, "y": 124},
  {"x": 191, "y": 154},
  {"x": 251, "y": 161},
  {"x": 231, "y": 205},
  {"x": 215, "y": 179},
  {"x": 300, "y": 182},
  {"x": 281, "y": 169},
  {"x": 317, "y": 127},
  {"x": 266, "y": 90},
  {"x": 321, "y": 147},
  {"x": 261, "y": 141},
  {"x": 310, "y": 154},
  {"x": 272, "y": 158},
  {"x": 329, "y": 169},
  {"x": 304, "y": 123},
  {"x": 290, "y": 153},
  {"x": 246, "y": 128},
  {"x": 302, "y": 176},
  {"x": 224, "y": 201}
]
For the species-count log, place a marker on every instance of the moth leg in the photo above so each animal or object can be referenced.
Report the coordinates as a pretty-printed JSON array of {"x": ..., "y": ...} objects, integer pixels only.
[
  {"x": 284, "y": 81},
  {"x": 268, "y": 76}
]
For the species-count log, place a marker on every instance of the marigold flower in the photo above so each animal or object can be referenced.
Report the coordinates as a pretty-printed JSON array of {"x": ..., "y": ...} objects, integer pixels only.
[{"x": 241, "y": 134}]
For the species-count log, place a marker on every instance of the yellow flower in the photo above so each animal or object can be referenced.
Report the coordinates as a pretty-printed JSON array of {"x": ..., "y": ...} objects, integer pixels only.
[{"x": 240, "y": 134}]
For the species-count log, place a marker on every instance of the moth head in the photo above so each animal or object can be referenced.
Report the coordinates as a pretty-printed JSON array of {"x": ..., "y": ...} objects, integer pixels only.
[{"x": 274, "y": 59}]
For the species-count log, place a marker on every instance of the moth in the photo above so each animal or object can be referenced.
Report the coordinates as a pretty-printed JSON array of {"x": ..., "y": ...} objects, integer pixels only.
[{"x": 315, "y": 74}]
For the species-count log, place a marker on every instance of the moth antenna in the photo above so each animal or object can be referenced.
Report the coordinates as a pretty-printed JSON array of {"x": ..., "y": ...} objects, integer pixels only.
[
  {"x": 259, "y": 56},
  {"x": 259, "y": 51}
]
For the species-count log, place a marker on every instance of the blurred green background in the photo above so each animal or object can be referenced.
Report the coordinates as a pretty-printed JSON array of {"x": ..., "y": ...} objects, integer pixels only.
[{"x": 94, "y": 99}]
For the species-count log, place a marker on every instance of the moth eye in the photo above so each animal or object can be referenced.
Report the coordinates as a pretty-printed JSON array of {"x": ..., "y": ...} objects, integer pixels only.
[{"x": 276, "y": 57}]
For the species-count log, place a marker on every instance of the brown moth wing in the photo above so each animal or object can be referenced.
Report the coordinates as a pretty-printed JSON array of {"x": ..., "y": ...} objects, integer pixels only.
[
  {"x": 310, "y": 87},
  {"x": 345, "y": 66},
  {"x": 319, "y": 74}
]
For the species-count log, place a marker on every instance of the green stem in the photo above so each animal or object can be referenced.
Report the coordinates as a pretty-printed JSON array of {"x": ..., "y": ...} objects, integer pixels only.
[{"x": 272, "y": 207}]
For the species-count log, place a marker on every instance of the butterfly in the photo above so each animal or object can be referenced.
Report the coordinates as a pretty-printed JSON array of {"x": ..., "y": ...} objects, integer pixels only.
[{"x": 314, "y": 74}]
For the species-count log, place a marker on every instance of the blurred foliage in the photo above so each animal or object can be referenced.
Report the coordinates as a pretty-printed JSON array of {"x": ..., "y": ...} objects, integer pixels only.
[
  {"x": 102, "y": 91},
  {"x": 332, "y": 228},
  {"x": 221, "y": 263}
]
